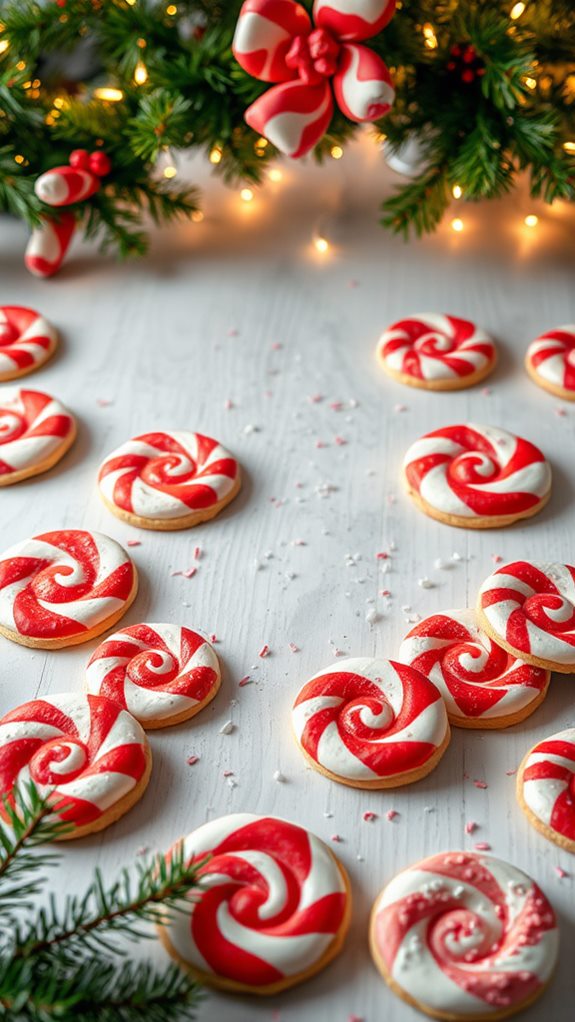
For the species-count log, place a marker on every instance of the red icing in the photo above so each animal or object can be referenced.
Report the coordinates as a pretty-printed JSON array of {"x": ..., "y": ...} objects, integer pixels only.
[
  {"x": 19, "y": 320},
  {"x": 562, "y": 819},
  {"x": 22, "y": 415},
  {"x": 532, "y": 608},
  {"x": 559, "y": 342},
  {"x": 420, "y": 339}
]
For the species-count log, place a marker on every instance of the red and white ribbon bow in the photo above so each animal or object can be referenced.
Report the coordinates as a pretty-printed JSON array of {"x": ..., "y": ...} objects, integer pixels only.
[{"x": 276, "y": 41}]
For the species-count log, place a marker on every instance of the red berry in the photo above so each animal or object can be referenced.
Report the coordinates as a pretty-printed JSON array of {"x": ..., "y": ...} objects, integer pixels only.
[
  {"x": 468, "y": 76},
  {"x": 79, "y": 159},
  {"x": 451, "y": 65},
  {"x": 456, "y": 50},
  {"x": 100, "y": 164},
  {"x": 469, "y": 55}
]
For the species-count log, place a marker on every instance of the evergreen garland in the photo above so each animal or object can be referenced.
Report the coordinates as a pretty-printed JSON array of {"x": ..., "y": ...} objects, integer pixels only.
[
  {"x": 486, "y": 86},
  {"x": 64, "y": 961}
]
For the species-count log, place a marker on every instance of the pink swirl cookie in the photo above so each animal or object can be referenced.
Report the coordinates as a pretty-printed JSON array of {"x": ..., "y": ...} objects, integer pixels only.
[
  {"x": 27, "y": 340},
  {"x": 35, "y": 433},
  {"x": 464, "y": 936},
  {"x": 483, "y": 686},
  {"x": 62, "y": 588},
  {"x": 546, "y": 788},
  {"x": 273, "y": 907},
  {"x": 476, "y": 477},
  {"x": 163, "y": 674},
  {"x": 550, "y": 361},
  {"x": 90, "y": 751},
  {"x": 168, "y": 480},
  {"x": 371, "y": 723},
  {"x": 529, "y": 608},
  {"x": 436, "y": 352}
]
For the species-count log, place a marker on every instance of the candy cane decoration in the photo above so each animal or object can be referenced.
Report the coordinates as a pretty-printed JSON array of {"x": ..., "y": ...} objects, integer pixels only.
[
  {"x": 62, "y": 588},
  {"x": 86, "y": 751},
  {"x": 462, "y": 935},
  {"x": 483, "y": 686},
  {"x": 477, "y": 476},
  {"x": 27, "y": 340},
  {"x": 546, "y": 788},
  {"x": 371, "y": 723},
  {"x": 436, "y": 352},
  {"x": 161, "y": 673},
  {"x": 63, "y": 186},
  {"x": 529, "y": 608},
  {"x": 273, "y": 905},
  {"x": 276, "y": 41},
  {"x": 49, "y": 244},
  {"x": 35, "y": 432},
  {"x": 168, "y": 478},
  {"x": 550, "y": 361}
]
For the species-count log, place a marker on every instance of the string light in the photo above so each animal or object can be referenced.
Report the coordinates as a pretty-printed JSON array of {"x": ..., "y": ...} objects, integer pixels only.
[
  {"x": 517, "y": 10},
  {"x": 197, "y": 216},
  {"x": 321, "y": 244},
  {"x": 275, "y": 174},
  {"x": 531, "y": 83},
  {"x": 18, "y": 159},
  {"x": 457, "y": 191},
  {"x": 430, "y": 36},
  {"x": 216, "y": 155},
  {"x": 569, "y": 147},
  {"x": 246, "y": 195},
  {"x": 108, "y": 95},
  {"x": 457, "y": 225},
  {"x": 171, "y": 9},
  {"x": 170, "y": 171},
  {"x": 531, "y": 220},
  {"x": 140, "y": 73},
  {"x": 336, "y": 152},
  {"x": 4, "y": 44}
]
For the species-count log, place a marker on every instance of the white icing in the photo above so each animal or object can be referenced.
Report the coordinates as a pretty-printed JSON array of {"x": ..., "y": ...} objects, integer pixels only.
[
  {"x": 443, "y": 333},
  {"x": 38, "y": 327},
  {"x": 27, "y": 451},
  {"x": 540, "y": 794}
]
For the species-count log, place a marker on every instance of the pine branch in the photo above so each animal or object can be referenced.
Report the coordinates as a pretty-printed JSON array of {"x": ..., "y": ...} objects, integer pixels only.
[
  {"x": 420, "y": 205},
  {"x": 29, "y": 822}
]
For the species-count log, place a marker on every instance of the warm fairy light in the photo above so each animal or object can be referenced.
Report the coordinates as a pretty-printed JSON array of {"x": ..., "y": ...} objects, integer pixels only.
[
  {"x": 197, "y": 216},
  {"x": 21, "y": 65},
  {"x": 275, "y": 174},
  {"x": 531, "y": 83},
  {"x": 531, "y": 220},
  {"x": 336, "y": 152},
  {"x": 216, "y": 155},
  {"x": 141, "y": 73},
  {"x": 517, "y": 10},
  {"x": 430, "y": 36},
  {"x": 170, "y": 171},
  {"x": 131, "y": 3},
  {"x": 246, "y": 195},
  {"x": 18, "y": 159},
  {"x": 108, "y": 95},
  {"x": 171, "y": 9},
  {"x": 321, "y": 244},
  {"x": 457, "y": 191},
  {"x": 569, "y": 147},
  {"x": 457, "y": 225},
  {"x": 261, "y": 143},
  {"x": 59, "y": 102},
  {"x": 4, "y": 44},
  {"x": 142, "y": 43}
]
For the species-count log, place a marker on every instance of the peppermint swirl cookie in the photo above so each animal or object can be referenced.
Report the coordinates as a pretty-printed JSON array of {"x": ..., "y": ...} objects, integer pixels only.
[
  {"x": 35, "y": 433},
  {"x": 168, "y": 481},
  {"x": 464, "y": 936},
  {"x": 550, "y": 362},
  {"x": 371, "y": 723},
  {"x": 546, "y": 788},
  {"x": 273, "y": 906},
  {"x": 436, "y": 352},
  {"x": 476, "y": 477},
  {"x": 528, "y": 607},
  {"x": 163, "y": 674},
  {"x": 62, "y": 588},
  {"x": 27, "y": 341},
  {"x": 87, "y": 751},
  {"x": 483, "y": 685}
]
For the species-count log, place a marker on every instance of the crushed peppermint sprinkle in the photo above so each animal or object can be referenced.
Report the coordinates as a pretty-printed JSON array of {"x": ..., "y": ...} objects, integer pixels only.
[
  {"x": 197, "y": 553},
  {"x": 471, "y": 827},
  {"x": 104, "y": 402},
  {"x": 371, "y": 616},
  {"x": 400, "y": 408},
  {"x": 441, "y": 565},
  {"x": 482, "y": 846},
  {"x": 264, "y": 651},
  {"x": 337, "y": 838},
  {"x": 293, "y": 647},
  {"x": 192, "y": 760},
  {"x": 560, "y": 872},
  {"x": 188, "y": 573},
  {"x": 246, "y": 680},
  {"x": 228, "y": 773},
  {"x": 336, "y": 406},
  {"x": 227, "y": 728},
  {"x": 316, "y": 398},
  {"x": 299, "y": 542},
  {"x": 328, "y": 815},
  {"x": 382, "y": 555},
  {"x": 385, "y": 592},
  {"x": 481, "y": 784},
  {"x": 369, "y": 816},
  {"x": 496, "y": 558},
  {"x": 340, "y": 441},
  {"x": 391, "y": 814},
  {"x": 133, "y": 542},
  {"x": 356, "y": 1018},
  {"x": 561, "y": 412},
  {"x": 228, "y": 404},
  {"x": 213, "y": 637},
  {"x": 278, "y": 776},
  {"x": 425, "y": 583}
]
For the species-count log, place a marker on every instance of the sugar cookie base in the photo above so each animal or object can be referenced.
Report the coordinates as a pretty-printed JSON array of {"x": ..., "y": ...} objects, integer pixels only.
[
  {"x": 397, "y": 781},
  {"x": 447, "y": 1016},
  {"x": 233, "y": 986},
  {"x": 154, "y": 724},
  {"x": 495, "y": 723},
  {"x": 449, "y": 383},
  {"x": 81, "y": 637},
  {"x": 117, "y": 810},
  {"x": 551, "y": 388},
  {"x": 173, "y": 524},
  {"x": 474, "y": 522},
  {"x": 547, "y": 665},
  {"x": 15, "y": 374},
  {"x": 41, "y": 466},
  {"x": 552, "y": 835}
]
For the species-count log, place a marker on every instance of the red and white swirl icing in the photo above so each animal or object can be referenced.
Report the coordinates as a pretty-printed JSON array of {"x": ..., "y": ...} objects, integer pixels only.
[
  {"x": 167, "y": 475},
  {"x": 87, "y": 748},
  {"x": 466, "y": 935},
  {"x": 365, "y": 719},
  {"x": 531, "y": 607},
  {"x": 156, "y": 671},
  {"x": 26, "y": 340},
  {"x": 472, "y": 471},
  {"x": 547, "y": 783},
  {"x": 32, "y": 428},
  {"x": 431, "y": 346},
  {"x": 477, "y": 679},
  {"x": 272, "y": 900},
  {"x": 552, "y": 357},
  {"x": 63, "y": 584}
]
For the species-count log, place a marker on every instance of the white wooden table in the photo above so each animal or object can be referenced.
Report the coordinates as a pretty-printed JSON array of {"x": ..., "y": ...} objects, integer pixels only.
[{"x": 242, "y": 309}]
